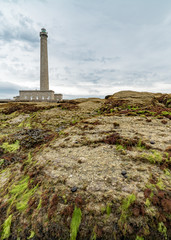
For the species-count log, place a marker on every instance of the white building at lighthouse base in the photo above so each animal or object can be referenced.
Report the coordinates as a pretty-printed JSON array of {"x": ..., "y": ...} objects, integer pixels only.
[{"x": 37, "y": 95}]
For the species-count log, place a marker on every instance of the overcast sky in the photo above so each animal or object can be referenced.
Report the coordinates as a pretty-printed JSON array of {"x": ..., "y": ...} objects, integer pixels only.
[{"x": 95, "y": 47}]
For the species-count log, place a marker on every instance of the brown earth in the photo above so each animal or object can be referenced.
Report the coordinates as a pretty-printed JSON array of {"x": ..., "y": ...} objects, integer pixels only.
[{"x": 103, "y": 164}]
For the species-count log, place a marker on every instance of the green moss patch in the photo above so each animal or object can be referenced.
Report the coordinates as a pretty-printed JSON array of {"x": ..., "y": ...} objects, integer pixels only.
[
  {"x": 11, "y": 147},
  {"x": 20, "y": 194},
  {"x": 6, "y": 228},
  {"x": 75, "y": 223},
  {"x": 125, "y": 213}
]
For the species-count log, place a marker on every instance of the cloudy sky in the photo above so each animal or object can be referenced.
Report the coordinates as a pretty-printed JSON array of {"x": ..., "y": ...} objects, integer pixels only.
[{"x": 95, "y": 47}]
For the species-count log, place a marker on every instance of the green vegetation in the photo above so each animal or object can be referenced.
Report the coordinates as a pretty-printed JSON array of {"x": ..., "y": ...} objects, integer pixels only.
[
  {"x": 22, "y": 204},
  {"x": 160, "y": 184},
  {"x": 162, "y": 229},
  {"x": 75, "y": 223},
  {"x": 28, "y": 124},
  {"x": 1, "y": 161},
  {"x": 6, "y": 228},
  {"x": 21, "y": 124},
  {"x": 20, "y": 194},
  {"x": 139, "y": 238},
  {"x": 125, "y": 208},
  {"x": 11, "y": 147},
  {"x": 154, "y": 157},
  {"x": 168, "y": 102},
  {"x": 103, "y": 210},
  {"x": 65, "y": 199},
  {"x": 164, "y": 113},
  {"x": 40, "y": 204},
  {"x": 120, "y": 147},
  {"x": 93, "y": 236},
  {"x": 108, "y": 209},
  {"x": 142, "y": 111},
  {"x": 167, "y": 172},
  {"x": 147, "y": 202},
  {"x": 132, "y": 108},
  {"x": 31, "y": 235},
  {"x": 3, "y": 125},
  {"x": 140, "y": 145},
  {"x": 74, "y": 121},
  {"x": 29, "y": 159},
  {"x": 151, "y": 186}
]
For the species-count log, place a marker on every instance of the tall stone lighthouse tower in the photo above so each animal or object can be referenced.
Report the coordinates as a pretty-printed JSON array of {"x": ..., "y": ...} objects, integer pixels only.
[
  {"x": 44, "y": 94},
  {"x": 44, "y": 76}
]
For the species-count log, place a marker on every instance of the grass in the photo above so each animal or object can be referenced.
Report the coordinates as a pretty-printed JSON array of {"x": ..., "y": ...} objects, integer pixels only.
[
  {"x": 75, "y": 223},
  {"x": 6, "y": 228}
]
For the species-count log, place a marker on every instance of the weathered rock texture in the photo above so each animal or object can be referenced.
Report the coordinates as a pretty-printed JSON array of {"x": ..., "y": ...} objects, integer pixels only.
[{"x": 101, "y": 167}]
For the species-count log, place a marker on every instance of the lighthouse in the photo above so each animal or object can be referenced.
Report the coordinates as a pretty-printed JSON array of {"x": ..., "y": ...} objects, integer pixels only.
[
  {"x": 44, "y": 75},
  {"x": 44, "y": 94}
]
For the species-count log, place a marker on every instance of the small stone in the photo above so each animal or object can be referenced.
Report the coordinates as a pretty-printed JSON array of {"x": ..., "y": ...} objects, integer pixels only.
[
  {"x": 152, "y": 142},
  {"x": 124, "y": 173},
  {"x": 73, "y": 189}
]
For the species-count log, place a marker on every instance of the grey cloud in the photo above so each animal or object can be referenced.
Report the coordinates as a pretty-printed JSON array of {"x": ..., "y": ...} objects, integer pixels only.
[
  {"x": 102, "y": 59},
  {"x": 67, "y": 96},
  {"x": 22, "y": 31},
  {"x": 3, "y": 56},
  {"x": 8, "y": 87},
  {"x": 110, "y": 59},
  {"x": 93, "y": 45},
  {"x": 18, "y": 34},
  {"x": 10, "y": 1},
  {"x": 91, "y": 77}
]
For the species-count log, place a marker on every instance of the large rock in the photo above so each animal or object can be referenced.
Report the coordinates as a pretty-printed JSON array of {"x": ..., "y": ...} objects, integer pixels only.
[{"x": 133, "y": 98}]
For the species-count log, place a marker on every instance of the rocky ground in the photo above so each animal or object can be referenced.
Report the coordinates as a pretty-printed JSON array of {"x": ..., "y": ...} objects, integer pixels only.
[{"x": 86, "y": 168}]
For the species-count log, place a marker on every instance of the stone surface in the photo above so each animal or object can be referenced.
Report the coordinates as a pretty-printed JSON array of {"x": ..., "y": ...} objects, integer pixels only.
[{"x": 73, "y": 152}]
